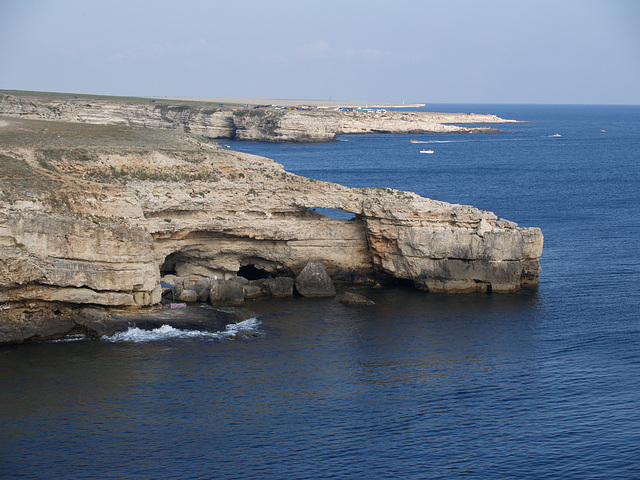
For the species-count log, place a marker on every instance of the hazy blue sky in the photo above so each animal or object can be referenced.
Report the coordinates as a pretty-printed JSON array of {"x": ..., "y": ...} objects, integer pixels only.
[{"x": 462, "y": 51}]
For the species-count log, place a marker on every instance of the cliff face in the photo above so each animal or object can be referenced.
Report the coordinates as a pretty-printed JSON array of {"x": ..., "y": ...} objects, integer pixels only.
[
  {"x": 95, "y": 215},
  {"x": 240, "y": 123}
]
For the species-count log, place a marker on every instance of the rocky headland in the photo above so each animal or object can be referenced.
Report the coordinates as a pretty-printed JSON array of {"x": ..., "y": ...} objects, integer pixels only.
[
  {"x": 237, "y": 122},
  {"x": 93, "y": 217}
]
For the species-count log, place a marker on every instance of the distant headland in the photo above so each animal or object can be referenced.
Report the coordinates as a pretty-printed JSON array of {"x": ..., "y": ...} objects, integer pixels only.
[
  {"x": 279, "y": 102},
  {"x": 242, "y": 119}
]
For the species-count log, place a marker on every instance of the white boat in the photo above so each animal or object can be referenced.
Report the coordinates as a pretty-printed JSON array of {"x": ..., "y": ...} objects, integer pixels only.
[
  {"x": 426, "y": 151},
  {"x": 556, "y": 135}
]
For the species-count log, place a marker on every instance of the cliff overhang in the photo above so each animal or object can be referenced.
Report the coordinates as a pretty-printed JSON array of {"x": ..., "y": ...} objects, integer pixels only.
[{"x": 95, "y": 216}]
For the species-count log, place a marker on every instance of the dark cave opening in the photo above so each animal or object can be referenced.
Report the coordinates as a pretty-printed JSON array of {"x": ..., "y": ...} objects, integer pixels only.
[
  {"x": 168, "y": 267},
  {"x": 251, "y": 272}
]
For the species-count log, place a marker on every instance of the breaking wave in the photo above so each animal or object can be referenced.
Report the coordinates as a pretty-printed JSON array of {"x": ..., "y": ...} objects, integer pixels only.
[
  {"x": 70, "y": 338},
  {"x": 246, "y": 328}
]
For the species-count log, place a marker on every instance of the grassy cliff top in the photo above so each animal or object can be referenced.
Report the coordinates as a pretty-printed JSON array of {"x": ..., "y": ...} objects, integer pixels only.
[
  {"x": 71, "y": 97},
  {"x": 200, "y": 102},
  {"x": 21, "y": 132}
]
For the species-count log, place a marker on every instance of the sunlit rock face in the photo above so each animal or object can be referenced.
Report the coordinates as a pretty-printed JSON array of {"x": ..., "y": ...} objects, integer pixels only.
[
  {"x": 450, "y": 248},
  {"x": 239, "y": 122},
  {"x": 98, "y": 215}
]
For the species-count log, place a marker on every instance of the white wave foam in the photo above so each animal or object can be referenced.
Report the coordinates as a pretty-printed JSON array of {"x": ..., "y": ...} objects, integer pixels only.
[
  {"x": 166, "y": 332},
  {"x": 70, "y": 338},
  {"x": 246, "y": 327}
]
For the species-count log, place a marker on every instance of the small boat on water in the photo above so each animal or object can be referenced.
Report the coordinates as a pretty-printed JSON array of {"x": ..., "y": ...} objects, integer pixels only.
[
  {"x": 556, "y": 135},
  {"x": 426, "y": 151},
  {"x": 414, "y": 141}
]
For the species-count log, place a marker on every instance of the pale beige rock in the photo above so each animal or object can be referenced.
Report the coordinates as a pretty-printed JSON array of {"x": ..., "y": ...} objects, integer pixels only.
[
  {"x": 66, "y": 252},
  {"x": 187, "y": 296},
  {"x": 99, "y": 223},
  {"x": 226, "y": 292},
  {"x": 241, "y": 123}
]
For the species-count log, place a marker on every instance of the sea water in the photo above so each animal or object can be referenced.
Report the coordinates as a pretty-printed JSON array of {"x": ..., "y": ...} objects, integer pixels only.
[{"x": 540, "y": 384}]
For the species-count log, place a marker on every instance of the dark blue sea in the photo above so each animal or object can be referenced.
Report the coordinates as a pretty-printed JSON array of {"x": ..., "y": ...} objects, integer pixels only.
[{"x": 543, "y": 384}]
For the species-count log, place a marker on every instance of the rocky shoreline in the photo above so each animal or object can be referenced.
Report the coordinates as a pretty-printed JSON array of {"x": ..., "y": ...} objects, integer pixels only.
[
  {"x": 239, "y": 122},
  {"x": 94, "y": 217}
]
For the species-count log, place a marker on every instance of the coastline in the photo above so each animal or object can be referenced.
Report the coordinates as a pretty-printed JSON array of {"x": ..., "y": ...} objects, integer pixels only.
[
  {"x": 102, "y": 201},
  {"x": 293, "y": 102},
  {"x": 313, "y": 121}
]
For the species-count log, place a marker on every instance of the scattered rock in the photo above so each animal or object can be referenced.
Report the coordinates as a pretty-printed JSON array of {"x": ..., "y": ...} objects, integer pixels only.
[
  {"x": 351, "y": 298},
  {"x": 483, "y": 227}
]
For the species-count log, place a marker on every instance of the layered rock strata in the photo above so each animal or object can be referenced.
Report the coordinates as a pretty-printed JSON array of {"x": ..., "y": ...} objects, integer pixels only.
[
  {"x": 97, "y": 215},
  {"x": 239, "y": 122}
]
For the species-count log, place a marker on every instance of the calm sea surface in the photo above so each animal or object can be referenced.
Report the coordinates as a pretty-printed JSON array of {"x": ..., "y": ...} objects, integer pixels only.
[{"x": 537, "y": 385}]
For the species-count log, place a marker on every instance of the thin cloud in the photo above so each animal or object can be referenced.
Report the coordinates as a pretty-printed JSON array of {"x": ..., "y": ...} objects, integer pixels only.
[
  {"x": 316, "y": 49},
  {"x": 321, "y": 49},
  {"x": 167, "y": 48}
]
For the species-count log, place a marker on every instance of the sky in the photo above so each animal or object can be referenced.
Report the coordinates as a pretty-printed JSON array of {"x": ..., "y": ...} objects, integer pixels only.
[{"x": 420, "y": 51}]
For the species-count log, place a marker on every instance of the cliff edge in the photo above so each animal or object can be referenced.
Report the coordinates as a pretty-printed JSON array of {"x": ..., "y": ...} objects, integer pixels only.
[
  {"x": 236, "y": 122},
  {"x": 95, "y": 216}
]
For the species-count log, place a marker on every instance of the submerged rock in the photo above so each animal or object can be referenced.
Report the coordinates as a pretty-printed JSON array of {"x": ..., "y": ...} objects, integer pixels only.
[{"x": 351, "y": 298}]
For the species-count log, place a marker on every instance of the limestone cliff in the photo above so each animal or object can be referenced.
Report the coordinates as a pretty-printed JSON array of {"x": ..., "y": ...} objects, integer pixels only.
[
  {"x": 96, "y": 215},
  {"x": 236, "y": 121}
]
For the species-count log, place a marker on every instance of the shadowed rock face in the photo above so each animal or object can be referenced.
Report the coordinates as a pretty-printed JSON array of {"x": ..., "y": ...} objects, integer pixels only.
[{"x": 96, "y": 215}]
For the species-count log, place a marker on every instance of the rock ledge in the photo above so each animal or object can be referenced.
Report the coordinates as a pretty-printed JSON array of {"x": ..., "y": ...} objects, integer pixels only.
[{"x": 96, "y": 216}]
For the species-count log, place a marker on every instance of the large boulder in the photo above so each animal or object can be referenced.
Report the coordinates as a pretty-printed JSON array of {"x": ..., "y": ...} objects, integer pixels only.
[
  {"x": 251, "y": 291},
  {"x": 226, "y": 292},
  {"x": 313, "y": 281},
  {"x": 187, "y": 296},
  {"x": 199, "y": 285},
  {"x": 278, "y": 287}
]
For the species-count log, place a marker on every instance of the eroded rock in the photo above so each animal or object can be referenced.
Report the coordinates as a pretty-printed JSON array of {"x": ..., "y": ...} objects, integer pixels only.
[
  {"x": 352, "y": 298},
  {"x": 241, "y": 123},
  {"x": 86, "y": 220},
  {"x": 313, "y": 281},
  {"x": 226, "y": 292},
  {"x": 278, "y": 287}
]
